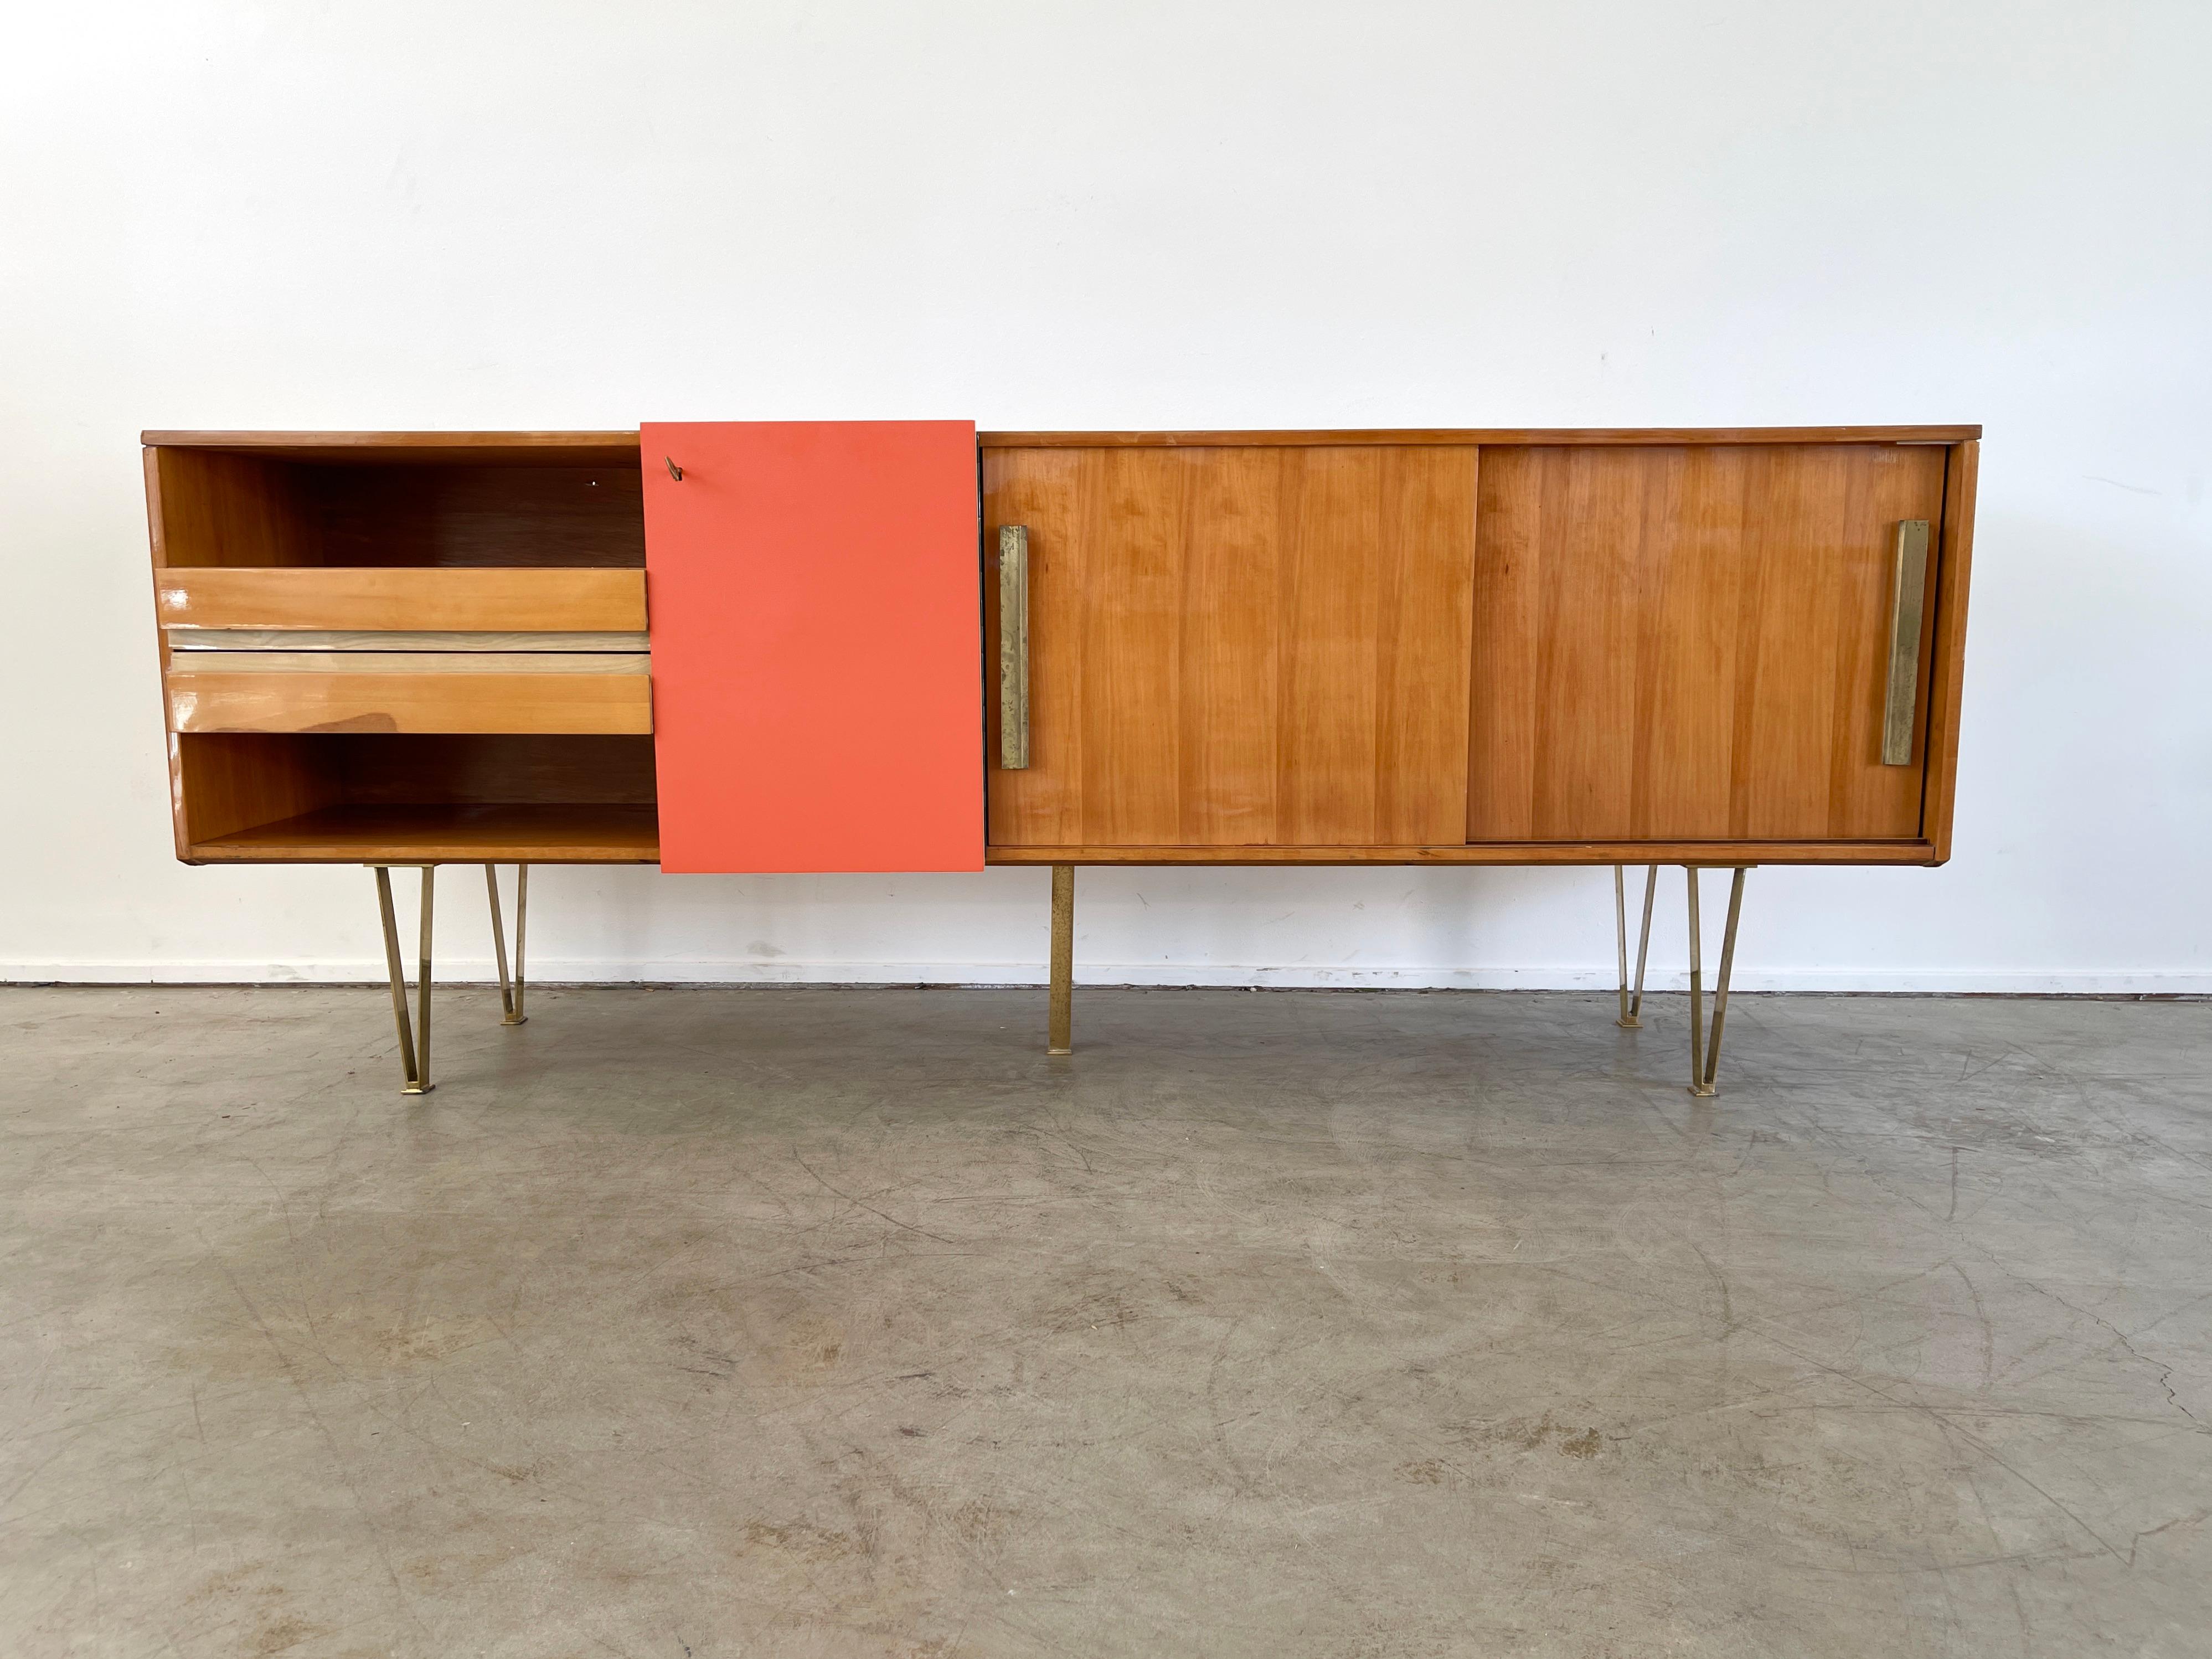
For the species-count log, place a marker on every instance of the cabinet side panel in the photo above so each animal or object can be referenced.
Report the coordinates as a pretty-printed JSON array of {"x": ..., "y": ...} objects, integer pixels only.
[
  {"x": 1947, "y": 651},
  {"x": 229, "y": 781},
  {"x": 815, "y": 614},
  {"x": 218, "y": 509}
]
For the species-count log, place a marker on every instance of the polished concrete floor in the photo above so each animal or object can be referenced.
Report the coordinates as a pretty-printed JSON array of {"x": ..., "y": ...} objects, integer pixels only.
[{"x": 702, "y": 1323}]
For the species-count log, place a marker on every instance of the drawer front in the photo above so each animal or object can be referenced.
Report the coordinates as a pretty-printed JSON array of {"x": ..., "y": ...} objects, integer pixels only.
[
  {"x": 257, "y": 700},
  {"x": 338, "y": 600}
]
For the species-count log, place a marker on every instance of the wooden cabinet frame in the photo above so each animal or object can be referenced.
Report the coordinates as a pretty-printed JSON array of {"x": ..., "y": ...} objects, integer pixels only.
[
  {"x": 522, "y": 555},
  {"x": 217, "y": 499}
]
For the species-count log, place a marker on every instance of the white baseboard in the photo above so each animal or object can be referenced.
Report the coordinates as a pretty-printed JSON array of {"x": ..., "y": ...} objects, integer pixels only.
[{"x": 784, "y": 971}]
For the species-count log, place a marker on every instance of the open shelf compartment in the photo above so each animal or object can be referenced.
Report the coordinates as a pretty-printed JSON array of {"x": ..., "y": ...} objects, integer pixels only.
[
  {"x": 395, "y": 647},
  {"x": 356, "y": 798}
]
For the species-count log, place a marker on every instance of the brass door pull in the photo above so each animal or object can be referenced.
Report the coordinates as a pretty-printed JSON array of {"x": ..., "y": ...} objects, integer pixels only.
[
  {"x": 1013, "y": 646},
  {"x": 1909, "y": 587}
]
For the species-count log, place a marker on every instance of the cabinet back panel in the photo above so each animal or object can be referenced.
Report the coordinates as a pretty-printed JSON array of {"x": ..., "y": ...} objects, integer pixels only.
[
  {"x": 477, "y": 515},
  {"x": 474, "y": 770},
  {"x": 1688, "y": 642},
  {"x": 1252, "y": 646}
]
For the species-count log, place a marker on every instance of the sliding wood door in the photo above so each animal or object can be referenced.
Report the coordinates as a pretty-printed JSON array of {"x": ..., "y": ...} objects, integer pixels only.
[
  {"x": 1257, "y": 645},
  {"x": 1684, "y": 643}
]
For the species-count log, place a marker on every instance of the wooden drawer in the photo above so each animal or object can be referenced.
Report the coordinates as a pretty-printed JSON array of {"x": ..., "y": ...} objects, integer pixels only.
[
  {"x": 413, "y": 599},
  {"x": 407, "y": 691}
]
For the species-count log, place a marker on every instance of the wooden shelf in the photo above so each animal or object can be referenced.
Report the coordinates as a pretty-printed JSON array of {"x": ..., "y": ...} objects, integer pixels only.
[
  {"x": 550, "y": 833},
  {"x": 592, "y": 695},
  {"x": 342, "y": 598}
]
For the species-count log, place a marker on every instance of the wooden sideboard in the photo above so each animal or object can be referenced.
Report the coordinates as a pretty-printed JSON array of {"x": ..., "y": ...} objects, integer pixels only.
[{"x": 910, "y": 645}]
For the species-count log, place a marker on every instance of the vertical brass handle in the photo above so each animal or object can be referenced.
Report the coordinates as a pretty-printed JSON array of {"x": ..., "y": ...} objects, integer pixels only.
[
  {"x": 1013, "y": 646},
  {"x": 1909, "y": 580}
]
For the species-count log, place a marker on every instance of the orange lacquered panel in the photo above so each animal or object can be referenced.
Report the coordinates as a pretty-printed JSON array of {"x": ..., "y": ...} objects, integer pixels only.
[{"x": 813, "y": 591}]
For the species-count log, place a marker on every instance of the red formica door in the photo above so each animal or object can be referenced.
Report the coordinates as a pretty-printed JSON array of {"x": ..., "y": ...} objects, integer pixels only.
[{"x": 812, "y": 588}]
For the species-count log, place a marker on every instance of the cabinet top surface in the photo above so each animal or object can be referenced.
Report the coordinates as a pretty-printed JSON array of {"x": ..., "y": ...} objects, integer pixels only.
[
  {"x": 590, "y": 447},
  {"x": 1476, "y": 435}
]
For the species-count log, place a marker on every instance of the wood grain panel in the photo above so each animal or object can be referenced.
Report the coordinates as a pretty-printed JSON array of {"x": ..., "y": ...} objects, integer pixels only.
[
  {"x": 1242, "y": 646},
  {"x": 214, "y": 509},
  {"x": 439, "y": 701},
  {"x": 1232, "y": 685},
  {"x": 1131, "y": 655},
  {"x": 342, "y": 599},
  {"x": 1679, "y": 643}
]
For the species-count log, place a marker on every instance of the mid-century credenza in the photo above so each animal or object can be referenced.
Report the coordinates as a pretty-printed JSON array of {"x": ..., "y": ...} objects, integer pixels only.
[{"x": 902, "y": 646}]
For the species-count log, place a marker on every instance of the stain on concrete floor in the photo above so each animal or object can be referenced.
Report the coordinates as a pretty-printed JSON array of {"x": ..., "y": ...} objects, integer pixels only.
[{"x": 808, "y": 1322}]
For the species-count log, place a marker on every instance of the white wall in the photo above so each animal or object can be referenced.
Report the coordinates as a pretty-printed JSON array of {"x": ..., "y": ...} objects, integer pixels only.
[{"x": 275, "y": 214}]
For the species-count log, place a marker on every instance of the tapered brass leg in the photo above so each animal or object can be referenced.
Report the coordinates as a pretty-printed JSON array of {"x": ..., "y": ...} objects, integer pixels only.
[
  {"x": 1721, "y": 990},
  {"x": 521, "y": 927},
  {"x": 414, "y": 1043},
  {"x": 1620, "y": 934},
  {"x": 1062, "y": 1018},
  {"x": 1705, "y": 1051},
  {"x": 1632, "y": 1006},
  {"x": 1697, "y": 993},
  {"x": 510, "y": 992},
  {"x": 423, "y": 988}
]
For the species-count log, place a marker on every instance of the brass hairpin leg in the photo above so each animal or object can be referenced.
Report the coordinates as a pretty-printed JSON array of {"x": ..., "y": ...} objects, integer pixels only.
[
  {"x": 1705, "y": 1051},
  {"x": 1631, "y": 1008},
  {"x": 510, "y": 993},
  {"x": 1060, "y": 1024},
  {"x": 1620, "y": 935},
  {"x": 413, "y": 1045}
]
